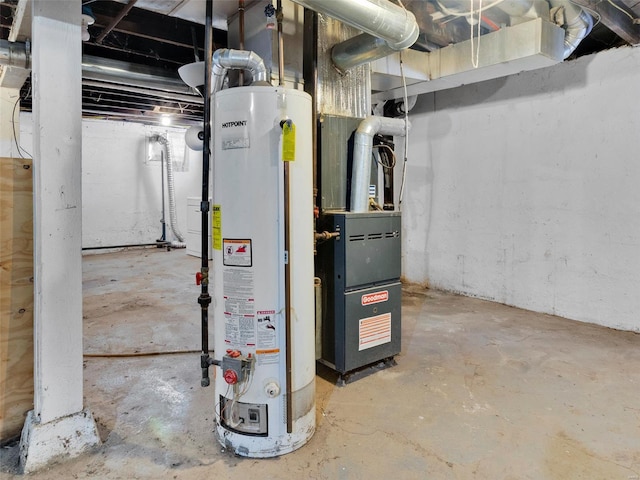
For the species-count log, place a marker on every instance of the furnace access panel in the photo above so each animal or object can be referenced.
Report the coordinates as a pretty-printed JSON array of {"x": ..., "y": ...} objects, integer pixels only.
[{"x": 361, "y": 291}]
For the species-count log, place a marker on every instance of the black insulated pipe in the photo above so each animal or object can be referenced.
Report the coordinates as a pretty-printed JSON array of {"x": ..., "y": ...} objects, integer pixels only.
[{"x": 205, "y": 299}]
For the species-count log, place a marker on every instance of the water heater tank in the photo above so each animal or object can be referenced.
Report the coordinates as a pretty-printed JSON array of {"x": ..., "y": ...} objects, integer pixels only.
[{"x": 265, "y": 389}]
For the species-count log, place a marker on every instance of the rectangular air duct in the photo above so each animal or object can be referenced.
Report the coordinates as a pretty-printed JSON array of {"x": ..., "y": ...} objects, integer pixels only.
[{"x": 510, "y": 50}]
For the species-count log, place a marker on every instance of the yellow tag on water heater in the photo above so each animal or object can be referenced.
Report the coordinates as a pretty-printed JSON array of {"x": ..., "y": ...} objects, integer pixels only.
[{"x": 288, "y": 142}]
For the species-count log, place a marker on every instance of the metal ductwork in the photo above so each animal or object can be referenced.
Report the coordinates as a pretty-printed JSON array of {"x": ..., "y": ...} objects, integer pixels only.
[
  {"x": 14, "y": 54},
  {"x": 388, "y": 28},
  {"x": 225, "y": 59},
  {"x": 362, "y": 149},
  {"x": 576, "y": 22},
  {"x": 114, "y": 71}
]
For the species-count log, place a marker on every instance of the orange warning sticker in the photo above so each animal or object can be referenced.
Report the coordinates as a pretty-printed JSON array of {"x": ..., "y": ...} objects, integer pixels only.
[
  {"x": 236, "y": 252},
  {"x": 267, "y": 351},
  {"x": 374, "y": 331},
  {"x": 268, "y": 356}
]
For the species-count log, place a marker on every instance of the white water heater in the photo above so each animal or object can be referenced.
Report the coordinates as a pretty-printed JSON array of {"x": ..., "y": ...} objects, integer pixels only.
[{"x": 262, "y": 263}]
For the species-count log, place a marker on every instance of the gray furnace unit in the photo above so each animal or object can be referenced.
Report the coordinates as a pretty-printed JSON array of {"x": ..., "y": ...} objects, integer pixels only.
[{"x": 361, "y": 294}]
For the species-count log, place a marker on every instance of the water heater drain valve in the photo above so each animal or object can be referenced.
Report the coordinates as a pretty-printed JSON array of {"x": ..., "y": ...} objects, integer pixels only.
[{"x": 236, "y": 367}]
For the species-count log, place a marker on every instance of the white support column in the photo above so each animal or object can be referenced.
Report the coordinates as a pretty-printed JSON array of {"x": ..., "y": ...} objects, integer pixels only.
[{"x": 58, "y": 426}]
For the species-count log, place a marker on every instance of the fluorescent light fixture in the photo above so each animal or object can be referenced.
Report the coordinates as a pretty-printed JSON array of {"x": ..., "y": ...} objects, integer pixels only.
[{"x": 165, "y": 119}]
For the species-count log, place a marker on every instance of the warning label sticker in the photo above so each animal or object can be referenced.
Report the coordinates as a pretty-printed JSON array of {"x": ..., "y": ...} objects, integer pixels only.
[
  {"x": 236, "y": 253},
  {"x": 240, "y": 330},
  {"x": 374, "y": 331},
  {"x": 267, "y": 356},
  {"x": 239, "y": 308},
  {"x": 266, "y": 329},
  {"x": 216, "y": 227}
]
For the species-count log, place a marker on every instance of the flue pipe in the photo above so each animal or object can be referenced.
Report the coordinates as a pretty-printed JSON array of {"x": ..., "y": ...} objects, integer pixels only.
[
  {"x": 362, "y": 149},
  {"x": 394, "y": 25},
  {"x": 225, "y": 59}
]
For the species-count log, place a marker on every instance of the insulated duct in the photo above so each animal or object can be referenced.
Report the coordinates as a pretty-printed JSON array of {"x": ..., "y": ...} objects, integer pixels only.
[
  {"x": 173, "y": 219},
  {"x": 225, "y": 59},
  {"x": 362, "y": 150},
  {"x": 388, "y": 28}
]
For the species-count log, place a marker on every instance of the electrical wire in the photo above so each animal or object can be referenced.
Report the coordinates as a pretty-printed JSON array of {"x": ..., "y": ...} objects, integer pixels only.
[
  {"x": 634, "y": 20},
  {"x": 217, "y": 405},
  {"x": 471, "y": 11},
  {"x": 406, "y": 132},
  {"x": 13, "y": 125},
  {"x": 475, "y": 55},
  {"x": 387, "y": 165}
]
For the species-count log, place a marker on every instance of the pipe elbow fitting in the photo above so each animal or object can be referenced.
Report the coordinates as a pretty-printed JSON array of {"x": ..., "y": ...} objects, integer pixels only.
[{"x": 408, "y": 36}]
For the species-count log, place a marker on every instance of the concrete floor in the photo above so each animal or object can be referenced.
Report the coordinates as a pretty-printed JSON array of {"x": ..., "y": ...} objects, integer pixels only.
[{"x": 480, "y": 391}]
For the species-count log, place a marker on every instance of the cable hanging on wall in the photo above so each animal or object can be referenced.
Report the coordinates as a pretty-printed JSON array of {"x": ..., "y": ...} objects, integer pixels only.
[{"x": 475, "y": 50}]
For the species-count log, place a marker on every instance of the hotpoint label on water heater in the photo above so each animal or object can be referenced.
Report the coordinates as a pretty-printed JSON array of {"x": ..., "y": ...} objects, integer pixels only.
[
  {"x": 236, "y": 253},
  {"x": 235, "y": 134},
  {"x": 374, "y": 331}
]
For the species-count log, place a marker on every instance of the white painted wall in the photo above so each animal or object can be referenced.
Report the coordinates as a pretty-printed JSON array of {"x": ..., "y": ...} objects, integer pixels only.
[
  {"x": 121, "y": 187},
  {"x": 526, "y": 190}
]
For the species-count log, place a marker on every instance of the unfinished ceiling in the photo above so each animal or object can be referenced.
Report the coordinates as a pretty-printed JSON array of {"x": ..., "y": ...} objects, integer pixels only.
[{"x": 136, "y": 46}]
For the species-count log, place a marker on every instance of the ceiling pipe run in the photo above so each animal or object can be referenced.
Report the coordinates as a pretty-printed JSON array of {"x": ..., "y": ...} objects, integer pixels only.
[
  {"x": 362, "y": 149},
  {"x": 114, "y": 71},
  {"x": 388, "y": 28}
]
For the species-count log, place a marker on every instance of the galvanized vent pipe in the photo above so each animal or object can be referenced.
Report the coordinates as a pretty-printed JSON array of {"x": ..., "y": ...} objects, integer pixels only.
[
  {"x": 15, "y": 54},
  {"x": 362, "y": 149},
  {"x": 225, "y": 59},
  {"x": 388, "y": 28},
  {"x": 577, "y": 24}
]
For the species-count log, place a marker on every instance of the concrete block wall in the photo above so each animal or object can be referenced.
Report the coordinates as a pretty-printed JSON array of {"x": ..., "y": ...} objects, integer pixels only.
[
  {"x": 526, "y": 190},
  {"x": 121, "y": 185}
]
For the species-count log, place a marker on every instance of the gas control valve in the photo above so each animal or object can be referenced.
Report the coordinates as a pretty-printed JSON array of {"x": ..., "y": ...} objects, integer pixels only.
[{"x": 236, "y": 367}]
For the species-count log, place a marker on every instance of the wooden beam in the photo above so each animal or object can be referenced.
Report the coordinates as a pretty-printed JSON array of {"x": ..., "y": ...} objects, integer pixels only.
[{"x": 615, "y": 19}]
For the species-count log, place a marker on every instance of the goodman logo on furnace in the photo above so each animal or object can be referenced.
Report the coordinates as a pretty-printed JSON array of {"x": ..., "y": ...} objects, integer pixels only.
[{"x": 377, "y": 297}]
